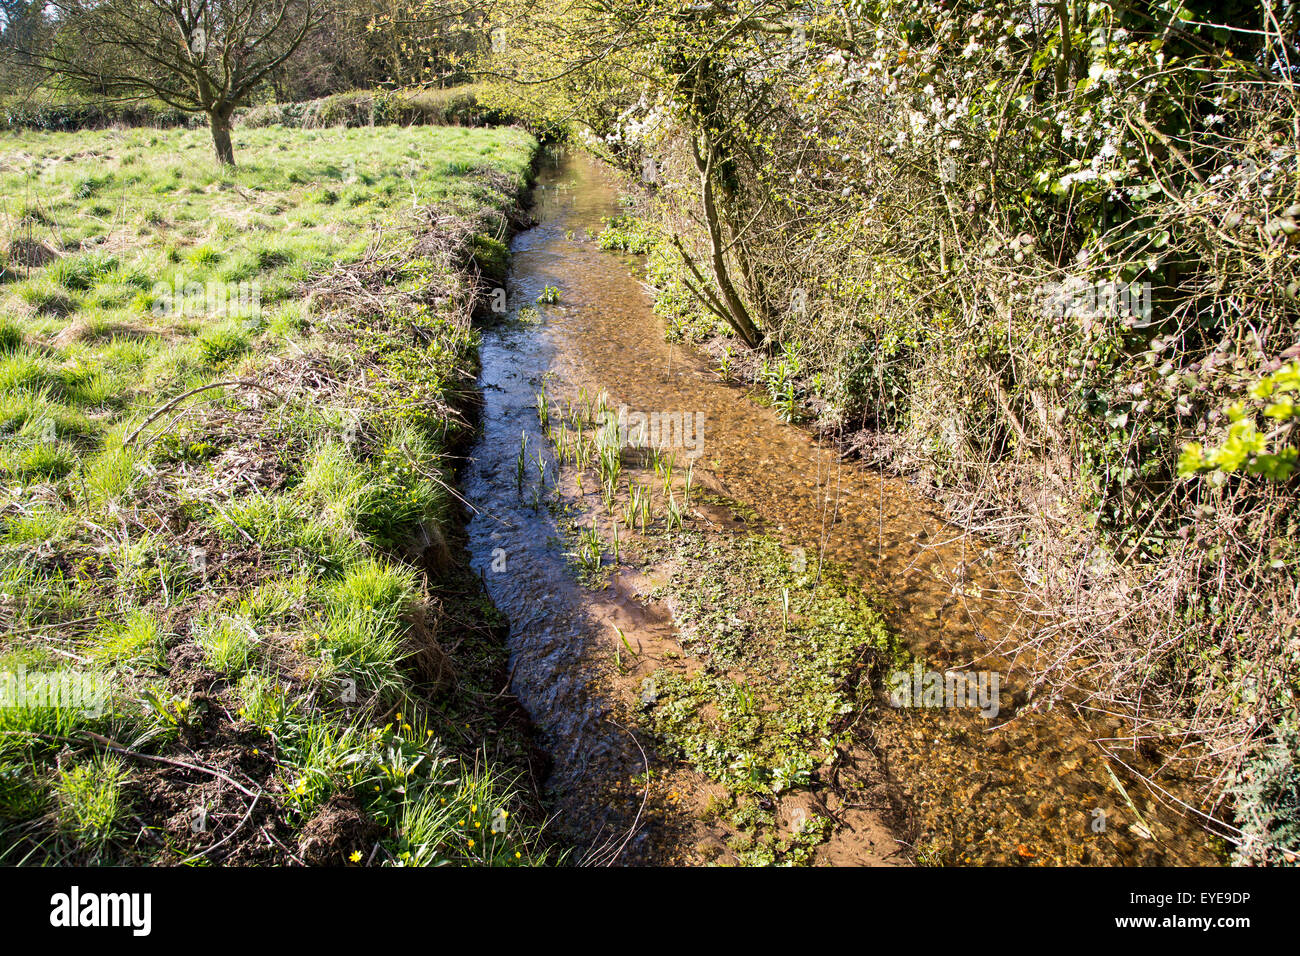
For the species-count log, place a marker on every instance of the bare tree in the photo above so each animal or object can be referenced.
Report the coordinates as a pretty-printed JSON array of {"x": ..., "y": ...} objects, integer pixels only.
[{"x": 198, "y": 56}]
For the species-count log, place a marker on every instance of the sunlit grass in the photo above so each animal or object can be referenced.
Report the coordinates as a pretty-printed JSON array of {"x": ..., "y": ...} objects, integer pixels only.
[
  {"x": 121, "y": 546},
  {"x": 91, "y": 802}
]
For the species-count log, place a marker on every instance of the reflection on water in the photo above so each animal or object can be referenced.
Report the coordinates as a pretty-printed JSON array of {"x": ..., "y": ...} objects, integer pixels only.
[{"x": 1027, "y": 786}]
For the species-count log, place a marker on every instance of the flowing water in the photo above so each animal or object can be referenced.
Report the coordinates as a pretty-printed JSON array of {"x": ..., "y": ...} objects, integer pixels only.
[{"x": 1028, "y": 786}]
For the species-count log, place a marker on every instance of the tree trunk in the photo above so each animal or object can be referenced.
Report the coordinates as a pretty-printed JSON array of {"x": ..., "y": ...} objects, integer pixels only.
[
  {"x": 738, "y": 315},
  {"x": 220, "y": 123}
]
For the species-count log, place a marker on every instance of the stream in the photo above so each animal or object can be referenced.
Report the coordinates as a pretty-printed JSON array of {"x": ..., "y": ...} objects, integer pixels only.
[{"x": 951, "y": 785}]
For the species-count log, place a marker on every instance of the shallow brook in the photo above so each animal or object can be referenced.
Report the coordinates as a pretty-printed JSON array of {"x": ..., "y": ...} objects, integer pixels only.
[{"x": 1024, "y": 785}]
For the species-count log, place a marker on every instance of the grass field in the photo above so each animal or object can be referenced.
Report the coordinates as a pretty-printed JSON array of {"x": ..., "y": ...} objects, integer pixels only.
[{"x": 225, "y": 615}]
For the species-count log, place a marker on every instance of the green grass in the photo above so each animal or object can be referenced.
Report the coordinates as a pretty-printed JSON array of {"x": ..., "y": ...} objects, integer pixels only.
[
  {"x": 45, "y": 711},
  {"x": 241, "y": 563},
  {"x": 91, "y": 802},
  {"x": 138, "y": 638},
  {"x": 361, "y": 626},
  {"x": 227, "y": 644},
  {"x": 467, "y": 822}
]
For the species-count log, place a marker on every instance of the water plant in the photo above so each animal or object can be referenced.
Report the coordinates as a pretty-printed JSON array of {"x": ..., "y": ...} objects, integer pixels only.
[{"x": 521, "y": 462}]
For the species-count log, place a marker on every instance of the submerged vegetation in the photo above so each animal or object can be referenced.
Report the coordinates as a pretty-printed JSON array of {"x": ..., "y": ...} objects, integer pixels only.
[
  {"x": 788, "y": 656},
  {"x": 775, "y": 658}
]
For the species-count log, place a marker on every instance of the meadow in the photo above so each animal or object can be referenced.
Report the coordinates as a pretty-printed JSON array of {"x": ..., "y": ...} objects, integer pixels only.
[{"x": 235, "y": 629}]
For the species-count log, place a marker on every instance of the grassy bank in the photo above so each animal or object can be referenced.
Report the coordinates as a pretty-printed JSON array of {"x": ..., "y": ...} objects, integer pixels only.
[{"x": 228, "y": 401}]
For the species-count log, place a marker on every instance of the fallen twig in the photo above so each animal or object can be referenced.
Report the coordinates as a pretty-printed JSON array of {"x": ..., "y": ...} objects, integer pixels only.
[{"x": 164, "y": 409}]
